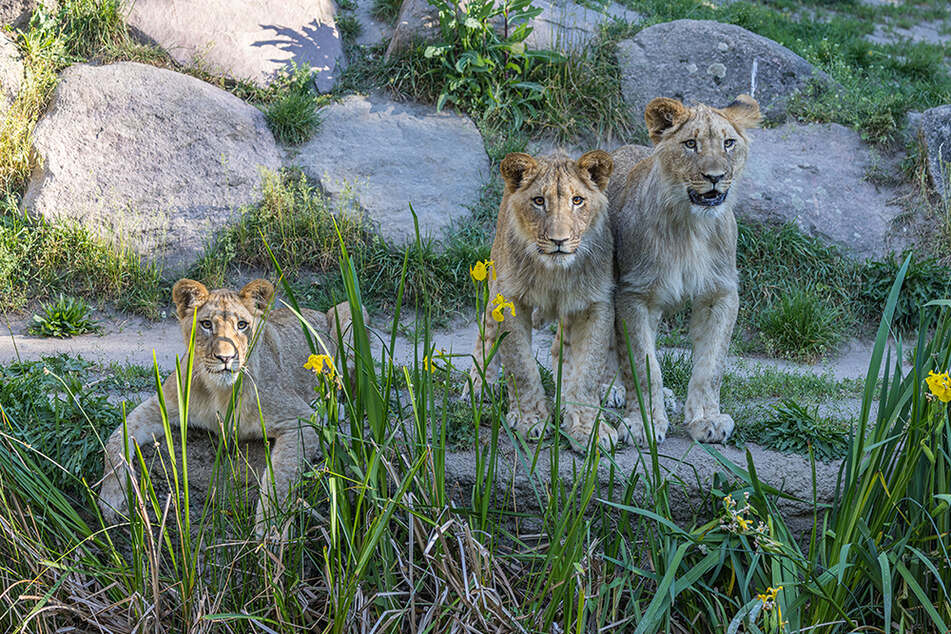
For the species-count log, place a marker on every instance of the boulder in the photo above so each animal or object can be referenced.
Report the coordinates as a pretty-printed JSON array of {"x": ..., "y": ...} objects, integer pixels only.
[
  {"x": 11, "y": 73},
  {"x": 245, "y": 40},
  {"x": 17, "y": 12},
  {"x": 709, "y": 62},
  {"x": 417, "y": 20},
  {"x": 815, "y": 175},
  {"x": 150, "y": 159},
  {"x": 935, "y": 133},
  {"x": 389, "y": 155},
  {"x": 566, "y": 26},
  {"x": 372, "y": 30}
]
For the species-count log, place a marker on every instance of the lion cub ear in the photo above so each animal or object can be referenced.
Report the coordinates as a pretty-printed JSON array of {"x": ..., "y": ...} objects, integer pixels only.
[
  {"x": 256, "y": 295},
  {"x": 187, "y": 295},
  {"x": 662, "y": 114},
  {"x": 598, "y": 164},
  {"x": 514, "y": 167},
  {"x": 743, "y": 112}
]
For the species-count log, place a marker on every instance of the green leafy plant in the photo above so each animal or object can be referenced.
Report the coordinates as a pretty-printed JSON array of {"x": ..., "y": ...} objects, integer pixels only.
[
  {"x": 801, "y": 324},
  {"x": 64, "y": 317},
  {"x": 481, "y": 70},
  {"x": 292, "y": 117},
  {"x": 796, "y": 428},
  {"x": 926, "y": 280}
]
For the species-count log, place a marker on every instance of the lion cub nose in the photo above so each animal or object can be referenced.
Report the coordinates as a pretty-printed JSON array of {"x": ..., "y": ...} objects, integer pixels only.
[
  {"x": 714, "y": 178},
  {"x": 558, "y": 241},
  {"x": 225, "y": 357}
]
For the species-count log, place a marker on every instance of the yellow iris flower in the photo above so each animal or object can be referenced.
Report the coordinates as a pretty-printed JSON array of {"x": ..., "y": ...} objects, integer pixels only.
[
  {"x": 940, "y": 386},
  {"x": 481, "y": 270},
  {"x": 321, "y": 364},
  {"x": 500, "y": 304}
]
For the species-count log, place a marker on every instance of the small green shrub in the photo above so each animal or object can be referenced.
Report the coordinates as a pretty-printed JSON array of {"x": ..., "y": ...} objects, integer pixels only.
[
  {"x": 349, "y": 26},
  {"x": 793, "y": 428},
  {"x": 386, "y": 10},
  {"x": 926, "y": 280},
  {"x": 51, "y": 406},
  {"x": 64, "y": 317},
  {"x": 290, "y": 105},
  {"x": 802, "y": 325},
  {"x": 475, "y": 68}
]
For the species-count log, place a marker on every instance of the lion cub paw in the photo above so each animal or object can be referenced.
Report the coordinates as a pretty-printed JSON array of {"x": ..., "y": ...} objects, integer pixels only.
[
  {"x": 716, "y": 428},
  {"x": 579, "y": 424},
  {"x": 634, "y": 425},
  {"x": 613, "y": 395},
  {"x": 530, "y": 423}
]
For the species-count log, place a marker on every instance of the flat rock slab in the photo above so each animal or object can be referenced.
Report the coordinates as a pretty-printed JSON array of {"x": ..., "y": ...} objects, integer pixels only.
[
  {"x": 709, "y": 62},
  {"x": 566, "y": 26},
  {"x": 11, "y": 73},
  {"x": 935, "y": 127},
  {"x": 389, "y": 155},
  {"x": 688, "y": 465},
  {"x": 247, "y": 39},
  {"x": 372, "y": 31},
  {"x": 814, "y": 175},
  {"x": 150, "y": 159}
]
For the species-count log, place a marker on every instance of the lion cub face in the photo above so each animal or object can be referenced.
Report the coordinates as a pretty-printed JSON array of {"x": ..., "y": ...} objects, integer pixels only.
[
  {"x": 224, "y": 325},
  {"x": 555, "y": 201},
  {"x": 702, "y": 150}
]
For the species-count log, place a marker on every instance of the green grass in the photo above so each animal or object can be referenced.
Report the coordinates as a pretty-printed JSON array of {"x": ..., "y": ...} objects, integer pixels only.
[
  {"x": 39, "y": 260},
  {"x": 800, "y": 325},
  {"x": 792, "y": 427},
  {"x": 51, "y": 406},
  {"x": 64, "y": 317},
  {"x": 386, "y": 10}
]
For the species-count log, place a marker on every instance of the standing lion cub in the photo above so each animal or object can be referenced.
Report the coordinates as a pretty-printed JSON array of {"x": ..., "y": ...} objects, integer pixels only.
[
  {"x": 275, "y": 378},
  {"x": 553, "y": 258},
  {"x": 675, "y": 241}
]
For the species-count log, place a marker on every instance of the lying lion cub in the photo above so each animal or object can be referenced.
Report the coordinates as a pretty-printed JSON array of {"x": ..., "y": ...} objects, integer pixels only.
[
  {"x": 552, "y": 254},
  {"x": 226, "y": 322},
  {"x": 675, "y": 241}
]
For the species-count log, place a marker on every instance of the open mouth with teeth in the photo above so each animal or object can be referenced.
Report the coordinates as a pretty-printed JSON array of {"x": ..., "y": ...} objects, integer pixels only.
[{"x": 710, "y": 198}]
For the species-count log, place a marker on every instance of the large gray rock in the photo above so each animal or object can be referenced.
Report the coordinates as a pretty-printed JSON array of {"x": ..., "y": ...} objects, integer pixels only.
[
  {"x": 566, "y": 26},
  {"x": 709, "y": 62},
  {"x": 148, "y": 158},
  {"x": 245, "y": 40},
  {"x": 935, "y": 131},
  {"x": 11, "y": 73},
  {"x": 18, "y": 12},
  {"x": 390, "y": 155},
  {"x": 815, "y": 175},
  {"x": 417, "y": 20}
]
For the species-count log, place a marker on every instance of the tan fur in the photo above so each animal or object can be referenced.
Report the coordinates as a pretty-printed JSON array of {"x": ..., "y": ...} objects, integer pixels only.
[
  {"x": 226, "y": 322},
  {"x": 672, "y": 248},
  {"x": 573, "y": 286}
]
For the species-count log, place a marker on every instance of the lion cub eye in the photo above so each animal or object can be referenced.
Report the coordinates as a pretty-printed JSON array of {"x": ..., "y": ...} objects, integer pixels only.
[
  {"x": 577, "y": 200},
  {"x": 242, "y": 325},
  {"x": 691, "y": 144},
  {"x": 206, "y": 324},
  {"x": 538, "y": 200},
  {"x": 728, "y": 143}
]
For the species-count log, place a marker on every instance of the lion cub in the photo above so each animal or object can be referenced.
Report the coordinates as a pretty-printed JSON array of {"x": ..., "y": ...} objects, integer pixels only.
[
  {"x": 675, "y": 241},
  {"x": 226, "y": 322},
  {"x": 553, "y": 258}
]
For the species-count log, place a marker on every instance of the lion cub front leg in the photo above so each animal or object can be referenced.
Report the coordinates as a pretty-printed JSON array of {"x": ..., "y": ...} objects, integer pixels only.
[
  {"x": 528, "y": 409},
  {"x": 640, "y": 323},
  {"x": 143, "y": 424},
  {"x": 711, "y": 325},
  {"x": 591, "y": 332},
  {"x": 292, "y": 444}
]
